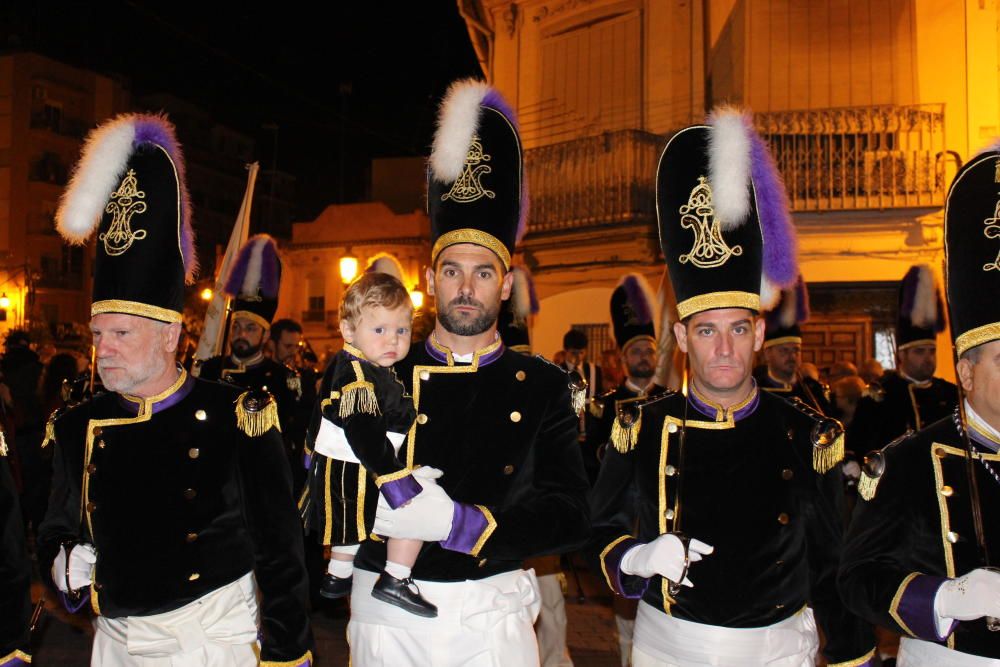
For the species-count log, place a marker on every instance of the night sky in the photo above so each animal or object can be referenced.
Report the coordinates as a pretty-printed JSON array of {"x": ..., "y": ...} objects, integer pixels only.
[{"x": 282, "y": 64}]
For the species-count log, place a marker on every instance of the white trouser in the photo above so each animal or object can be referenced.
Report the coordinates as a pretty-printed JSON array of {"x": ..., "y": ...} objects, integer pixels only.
[
  {"x": 551, "y": 624},
  {"x": 920, "y": 653},
  {"x": 665, "y": 641},
  {"x": 484, "y": 623},
  {"x": 217, "y": 629},
  {"x": 625, "y": 628}
]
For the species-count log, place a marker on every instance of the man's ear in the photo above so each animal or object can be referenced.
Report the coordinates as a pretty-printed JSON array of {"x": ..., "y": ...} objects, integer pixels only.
[
  {"x": 171, "y": 336},
  {"x": 508, "y": 283},
  {"x": 681, "y": 334},
  {"x": 758, "y": 333},
  {"x": 429, "y": 276},
  {"x": 965, "y": 371}
]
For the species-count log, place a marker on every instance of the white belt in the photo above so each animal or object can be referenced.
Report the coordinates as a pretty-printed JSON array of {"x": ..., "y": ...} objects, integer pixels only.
[
  {"x": 227, "y": 615},
  {"x": 920, "y": 653},
  {"x": 674, "y": 640},
  {"x": 482, "y": 605},
  {"x": 331, "y": 442}
]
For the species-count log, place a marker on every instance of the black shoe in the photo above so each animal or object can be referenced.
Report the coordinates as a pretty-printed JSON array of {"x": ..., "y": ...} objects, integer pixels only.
[
  {"x": 334, "y": 588},
  {"x": 404, "y": 594}
]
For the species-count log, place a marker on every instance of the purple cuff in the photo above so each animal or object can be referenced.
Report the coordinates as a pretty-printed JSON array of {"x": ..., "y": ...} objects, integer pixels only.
[
  {"x": 307, "y": 459},
  {"x": 400, "y": 491},
  {"x": 73, "y": 607},
  {"x": 468, "y": 524},
  {"x": 916, "y": 608},
  {"x": 625, "y": 585}
]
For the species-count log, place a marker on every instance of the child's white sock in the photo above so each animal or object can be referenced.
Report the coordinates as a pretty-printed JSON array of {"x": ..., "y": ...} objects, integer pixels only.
[
  {"x": 396, "y": 570},
  {"x": 342, "y": 569}
]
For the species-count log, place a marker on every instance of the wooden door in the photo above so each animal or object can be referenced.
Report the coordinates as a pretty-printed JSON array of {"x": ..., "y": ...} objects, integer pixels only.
[{"x": 827, "y": 339}]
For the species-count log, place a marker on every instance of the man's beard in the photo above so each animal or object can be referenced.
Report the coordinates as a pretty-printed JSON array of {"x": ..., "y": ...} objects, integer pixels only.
[
  {"x": 126, "y": 379},
  {"x": 242, "y": 349},
  {"x": 642, "y": 370},
  {"x": 462, "y": 326}
]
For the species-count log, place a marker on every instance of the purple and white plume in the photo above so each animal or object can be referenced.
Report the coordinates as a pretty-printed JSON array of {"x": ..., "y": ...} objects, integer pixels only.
[
  {"x": 729, "y": 166},
  {"x": 523, "y": 300},
  {"x": 921, "y": 301},
  {"x": 639, "y": 296},
  {"x": 103, "y": 160},
  {"x": 257, "y": 267}
]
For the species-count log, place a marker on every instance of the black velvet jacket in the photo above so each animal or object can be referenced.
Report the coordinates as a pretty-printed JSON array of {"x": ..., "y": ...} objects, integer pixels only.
[
  {"x": 343, "y": 496},
  {"x": 807, "y": 390},
  {"x": 750, "y": 490},
  {"x": 15, "y": 572},
  {"x": 503, "y": 431},
  {"x": 179, "y": 500},
  {"x": 904, "y": 406},
  {"x": 917, "y": 531}
]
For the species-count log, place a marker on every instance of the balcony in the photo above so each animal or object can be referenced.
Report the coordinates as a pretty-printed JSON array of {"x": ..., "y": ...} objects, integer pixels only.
[
  {"x": 601, "y": 180},
  {"x": 859, "y": 157}
]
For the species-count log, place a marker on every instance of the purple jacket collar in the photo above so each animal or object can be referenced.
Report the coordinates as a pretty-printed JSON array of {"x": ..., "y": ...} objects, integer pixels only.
[
  {"x": 716, "y": 412},
  {"x": 173, "y": 395},
  {"x": 482, "y": 357}
]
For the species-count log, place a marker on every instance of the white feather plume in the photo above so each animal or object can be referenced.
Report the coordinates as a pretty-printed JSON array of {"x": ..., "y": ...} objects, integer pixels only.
[
  {"x": 255, "y": 266},
  {"x": 99, "y": 171},
  {"x": 925, "y": 299},
  {"x": 386, "y": 263},
  {"x": 458, "y": 121},
  {"x": 770, "y": 294},
  {"x": 729, "y": 167}
]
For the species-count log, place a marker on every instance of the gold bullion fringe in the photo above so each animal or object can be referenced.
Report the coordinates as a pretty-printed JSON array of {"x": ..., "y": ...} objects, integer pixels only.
[
  {"x": 624, "y": 438},
  {"x": 50, "y": 431},
  {"x": 358, "y": 397},
  {"x": 258, "y": 422},
  {"x": 578, "y": 399},
  {"x": 868, "y": 485},
  {"x": 825, "y": 458}
]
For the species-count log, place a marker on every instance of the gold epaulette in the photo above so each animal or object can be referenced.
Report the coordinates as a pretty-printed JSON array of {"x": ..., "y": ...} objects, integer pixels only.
[
  {"x": 826, "y": 455},
  {"x": 596, "y": 408},
  {"x": 874, "y": 467},
  {"x": 256, "y": 413},
  {"x": 50, "y": 430},
  {"x": 578, "y": 398},
  {"x": 294, "y": 382},
  {"x": 625, "y": 431},
  {"x": 358, "y": 396}
]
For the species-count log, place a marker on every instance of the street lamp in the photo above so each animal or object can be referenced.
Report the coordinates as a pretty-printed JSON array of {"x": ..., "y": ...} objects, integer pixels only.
[
  {"x": 206, "y": 294},
  {"x": 348, "y": 267},
  {"x": 417, "y": 297},
  {"x": 4, "y": 301}
]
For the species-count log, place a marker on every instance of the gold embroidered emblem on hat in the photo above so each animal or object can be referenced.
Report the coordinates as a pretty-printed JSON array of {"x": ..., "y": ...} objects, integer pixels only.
[
  {"x": 992, "y": 231},
  {"x": 468, "y": 187},
  {"x": 710, "y": 249},
  {"x": 125, "y": 202}
]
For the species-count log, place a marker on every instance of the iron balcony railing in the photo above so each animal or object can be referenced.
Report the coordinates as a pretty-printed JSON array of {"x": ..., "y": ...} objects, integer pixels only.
[{"x": 859, "y": 157}]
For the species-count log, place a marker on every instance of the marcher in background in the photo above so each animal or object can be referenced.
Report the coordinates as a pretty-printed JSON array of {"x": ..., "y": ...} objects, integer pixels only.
[
  {"x": 920, "y": 550},
  {"x": 15, "y": 574},
  {"x": 871, "y": 371},
  {"x": 736, "y": 493},
  {"x": 171, "y": 503}
]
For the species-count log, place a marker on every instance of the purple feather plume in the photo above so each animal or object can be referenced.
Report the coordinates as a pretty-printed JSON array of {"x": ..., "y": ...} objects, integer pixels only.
[
  {"x": 781, "y": 265},
  {"x": 156, "y": 129},
  {"x": 266, "y": 264},
  {"x": 636, "y": 296},
  {"x": 270, "y": 270},
  {"x": 494, "y": 100},
  {"x": 238, "y": 273}
]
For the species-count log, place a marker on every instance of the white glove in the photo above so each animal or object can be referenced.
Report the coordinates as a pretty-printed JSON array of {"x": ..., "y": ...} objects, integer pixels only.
[
  {"x": 663, "y": 556},
  {"x": 966, "y": 598},
  {"x": 426, "y": 517},
  {"x": 851, "y": 470},
  {"x": 81, "y": 567}
]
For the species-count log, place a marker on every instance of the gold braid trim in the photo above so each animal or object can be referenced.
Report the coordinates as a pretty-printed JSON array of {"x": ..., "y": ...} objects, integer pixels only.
[
  {"x": 624, "y": 438},
  {"x": 299, "y": 662},
  {"x": 4, "y": 450},
  {"x": 825, "y": 458},
  {"x": 977, "y": 336},
  {"x": 868, "y": 485},
  {"x": 17, "y": 653},
  {"x": 474, "y": 236},
  {"x": 256, "y": 419},
  {"x": 134, "y": 308},
  {"x": 358, "y": 396},
  {"x": 50, "y": 430},
  {"x": 857, "y": 662},
  {"x": 712, "y": 300}
]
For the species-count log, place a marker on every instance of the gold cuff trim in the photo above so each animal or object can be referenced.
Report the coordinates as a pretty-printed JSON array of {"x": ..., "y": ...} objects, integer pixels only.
[
  {"x": 977, "y": 336},
  {"x": 392, "y": 477},
  {"x": 854, "y": 663},
  {"x": 288, "y": 663},
  {"x": 475, "y": 236},
  {"x": 17, "y": 653},
  {"x": 491, "y": 525},
  {"x": 253, "y": 317},
  {"x": 894, "y": 605},
  {"x": 134, "y": 308},
  {"x": 784, "y": 340},
  {"x": 914, "y": 343},
  {"x": 604, "y": 554},
  {"x": 712, "y": 300}
]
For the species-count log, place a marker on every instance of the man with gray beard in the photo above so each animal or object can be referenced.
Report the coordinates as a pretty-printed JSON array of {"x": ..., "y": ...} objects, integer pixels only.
[{"x": 170, "y": 508}]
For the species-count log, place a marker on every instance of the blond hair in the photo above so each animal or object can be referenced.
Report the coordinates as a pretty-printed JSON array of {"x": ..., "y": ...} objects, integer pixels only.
[{"x": 370, "y": 291}]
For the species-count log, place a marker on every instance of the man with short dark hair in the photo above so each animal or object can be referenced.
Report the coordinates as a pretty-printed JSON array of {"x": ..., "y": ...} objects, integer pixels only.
[
  {"x": 171, "y": 501},
  {"x": 921, "y": 549},
  {"x": 719, "y": 509},
  {"x": 499, "y": 425}
]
